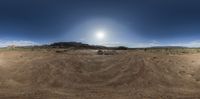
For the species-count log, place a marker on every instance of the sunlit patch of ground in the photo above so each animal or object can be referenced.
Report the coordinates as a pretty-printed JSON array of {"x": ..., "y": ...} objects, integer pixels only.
[{"x": 83, "y": 74}]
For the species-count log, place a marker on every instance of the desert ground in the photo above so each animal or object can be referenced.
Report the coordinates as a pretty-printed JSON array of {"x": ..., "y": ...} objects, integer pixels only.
[{"x": 83, "y": 74}]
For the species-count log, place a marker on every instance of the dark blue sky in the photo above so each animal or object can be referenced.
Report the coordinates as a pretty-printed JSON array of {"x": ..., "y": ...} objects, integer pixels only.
[{"x": 126, "y": 22}]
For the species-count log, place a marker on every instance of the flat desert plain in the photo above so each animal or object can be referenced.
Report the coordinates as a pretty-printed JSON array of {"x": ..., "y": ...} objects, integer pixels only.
[{"x": 83, "y": 74}]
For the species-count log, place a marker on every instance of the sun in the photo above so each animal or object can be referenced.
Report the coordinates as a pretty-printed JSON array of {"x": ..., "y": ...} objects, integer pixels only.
[{"x": 100, "y": 35}]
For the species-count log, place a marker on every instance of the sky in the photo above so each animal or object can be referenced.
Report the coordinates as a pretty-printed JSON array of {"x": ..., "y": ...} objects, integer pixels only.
[{"x": 132, "y": 23}]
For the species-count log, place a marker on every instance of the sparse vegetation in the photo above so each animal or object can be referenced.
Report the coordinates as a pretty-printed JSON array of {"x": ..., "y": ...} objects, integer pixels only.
[
  {"x": 122, "y": 48},
  {"x": 173, "y": 50},
  {"x": 106, "y": 52}
]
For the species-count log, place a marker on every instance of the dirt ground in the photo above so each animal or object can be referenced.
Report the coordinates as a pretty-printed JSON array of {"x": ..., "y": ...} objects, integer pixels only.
[{"x": 82, "y": 74}]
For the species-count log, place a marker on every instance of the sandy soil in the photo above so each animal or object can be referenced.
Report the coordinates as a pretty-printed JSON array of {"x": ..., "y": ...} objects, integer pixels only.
[{"x": 83, "y": 74}]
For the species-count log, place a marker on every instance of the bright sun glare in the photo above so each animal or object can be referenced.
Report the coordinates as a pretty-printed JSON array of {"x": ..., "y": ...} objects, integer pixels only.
[{"x": 100, "y": 35}]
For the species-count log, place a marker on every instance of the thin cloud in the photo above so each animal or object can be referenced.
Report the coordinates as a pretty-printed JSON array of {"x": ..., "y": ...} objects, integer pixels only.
[
  {"x": 156, "y": 43},
  {"x": 17, "y": 43},
  {"x": 187, "y": 44}
]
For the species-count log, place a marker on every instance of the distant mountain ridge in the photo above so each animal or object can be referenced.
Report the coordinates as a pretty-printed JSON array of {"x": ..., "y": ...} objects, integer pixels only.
[
  {"x": 75, "y": 45},
  {"x": 80, "y": 45},
  {"x": 168, "y": 47}
]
